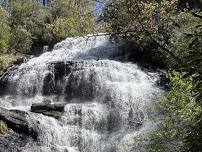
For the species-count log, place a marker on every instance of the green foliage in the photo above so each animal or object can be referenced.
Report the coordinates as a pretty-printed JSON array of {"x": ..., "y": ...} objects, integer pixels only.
[
  {"x": 21, "y": 22},
  {"x": 70, "y": 18},
  {"x": 137, "y": 18},
  {"x": 6, "y": 60},
  {"x": 149, "y": 24},
  {"x": 63, "y": 27},
  {"x": 178, "y": 114},
  {"x": 3, "y": 127},
  {"x": 21, "y": 40},
  {"x": 194, "y": 56},
  {"x": 23, "y": 12},
  {"x": 61, "y": 9},
  {"x": 4, "y": 31},
  {"x": 193, "y": 68},
  {"x": 188, "y": 47},
  {"x": 46, "y": 25}
]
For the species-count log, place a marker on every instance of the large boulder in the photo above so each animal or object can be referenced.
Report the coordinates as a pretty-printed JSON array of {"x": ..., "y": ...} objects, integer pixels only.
[
  {"x": 17, "y": 121},
  {"x": 54, "y": 110}
]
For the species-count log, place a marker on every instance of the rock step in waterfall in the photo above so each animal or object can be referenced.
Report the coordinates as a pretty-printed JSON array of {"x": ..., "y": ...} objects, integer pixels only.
[{"x": 81, "y": 97}]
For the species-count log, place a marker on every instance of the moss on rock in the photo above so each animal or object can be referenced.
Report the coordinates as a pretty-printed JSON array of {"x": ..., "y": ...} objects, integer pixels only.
[
  {"x": 6, "y": 60},
  {"x": 3, "y": 127}
]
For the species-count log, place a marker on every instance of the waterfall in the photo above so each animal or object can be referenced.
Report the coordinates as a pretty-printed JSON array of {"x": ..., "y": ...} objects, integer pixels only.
[{"x": 105, "y": 98}]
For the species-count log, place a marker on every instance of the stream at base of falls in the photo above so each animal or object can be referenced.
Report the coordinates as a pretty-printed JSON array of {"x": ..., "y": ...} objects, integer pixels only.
[{"x": 105, "y": 98}]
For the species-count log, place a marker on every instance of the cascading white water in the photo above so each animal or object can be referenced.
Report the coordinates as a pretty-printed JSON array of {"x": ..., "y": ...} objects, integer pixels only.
[{"x": 105, "y": 98}]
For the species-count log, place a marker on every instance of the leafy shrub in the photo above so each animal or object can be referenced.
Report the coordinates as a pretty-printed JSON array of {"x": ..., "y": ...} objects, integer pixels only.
[
  {"x": 21, "y": 40},
  {"x": 23, "y": 13},
  {"x": 178, "y": 113},
  {"x": 70, "y": 18},
  {"x": 149, "y": 24},
  {"x": 6, "y": 60},
  {"x": 4, "y": 30},
  {"x": 61, "y": 9},
  {"x": 33, "y": 24}
]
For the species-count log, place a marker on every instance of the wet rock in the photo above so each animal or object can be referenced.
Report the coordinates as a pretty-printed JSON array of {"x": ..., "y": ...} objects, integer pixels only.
[
  {"x": 17, "y": 121},
  {"x": 61, "y": 68},
  {"x": 113, "y": 120},
  {"x": 80, "y": 87},
  {"x": 13, "y": 142},
  {"x": 48, "y": 109},
  {"x": 164, "y": 80},
  {"x": 135, "y": 118},
  {"x": 13, "y": 67},
  {"x": 48, "y": 84},
  {"x": 4, "y": 78},
  {"x": 9, "y": 72},
  {"x": 53, "y": 81}
]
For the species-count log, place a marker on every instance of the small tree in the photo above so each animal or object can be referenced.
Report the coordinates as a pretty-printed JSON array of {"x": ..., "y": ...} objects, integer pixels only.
[
  {"x": 178, "y": 113},
  {"x": 4, "y": 30},
  {"x": 21, "y": 40}
]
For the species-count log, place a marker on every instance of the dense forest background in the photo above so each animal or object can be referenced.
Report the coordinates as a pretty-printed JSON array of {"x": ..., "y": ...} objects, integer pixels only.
[{"x": 164, "y": 33}]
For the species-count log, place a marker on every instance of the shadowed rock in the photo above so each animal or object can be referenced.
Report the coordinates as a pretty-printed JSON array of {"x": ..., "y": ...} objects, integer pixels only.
[
  {"x": 13, "y": 142},
  {"x": 53, "y": 110},
  {"x": 17, "y": 121}
]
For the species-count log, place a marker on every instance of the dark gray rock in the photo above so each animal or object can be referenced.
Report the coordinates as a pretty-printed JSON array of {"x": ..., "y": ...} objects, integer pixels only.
[
  {"x": 53, "y": 79},
  {"x": 135, "y": 118},
  {"x": 6, "y": 74},
  {"x": 113, "y": 120},
  {"x": 164, "y": 80},
  {"x": 17, "y": 121},
  {"x": 48, "y": 84},
  {"x": 54, "y": 110},
  {"x": 62, "y": 68},
  {"x": 13, "y": 142}
]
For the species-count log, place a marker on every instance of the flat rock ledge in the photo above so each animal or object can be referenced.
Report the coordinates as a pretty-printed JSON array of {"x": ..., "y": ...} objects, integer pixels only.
[
  {"x": 17, "y": 121},
  {"x": 53, "y": 110}
]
